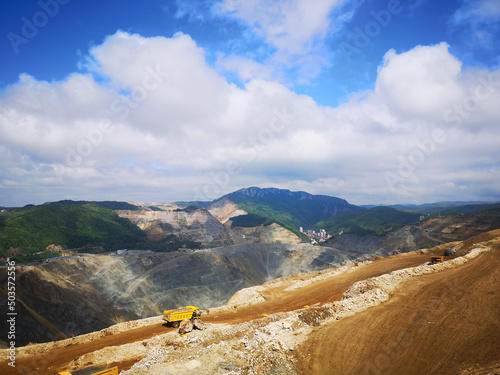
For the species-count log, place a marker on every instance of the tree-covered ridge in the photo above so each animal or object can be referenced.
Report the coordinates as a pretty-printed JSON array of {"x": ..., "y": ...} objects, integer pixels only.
[
  {"x": 251, "y": 220},
  {"x": 112, "y": 205},
  {"x": 33, "y": 228},
  {"x": 374, "y": 221},
  {"x": 295, "y": 209},
  {"x": 447, "y": 208}
]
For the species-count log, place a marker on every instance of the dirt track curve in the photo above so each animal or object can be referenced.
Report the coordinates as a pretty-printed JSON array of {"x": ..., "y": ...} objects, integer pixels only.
[
  {"x": 328, "y": 290},
  {"x": 441, "y": 323}
]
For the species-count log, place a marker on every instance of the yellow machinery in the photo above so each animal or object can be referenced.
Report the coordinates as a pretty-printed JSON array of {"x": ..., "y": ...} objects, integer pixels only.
[
  {"x": 174, "y": 317},
  {"x": 88, "y": 370},
  {"x": 437, "y": 259},
  {"x": 111, "y": 371}
]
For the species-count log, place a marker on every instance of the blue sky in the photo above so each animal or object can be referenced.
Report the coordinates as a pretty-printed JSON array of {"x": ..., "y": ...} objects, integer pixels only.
[{"x": 373, "y": 101}]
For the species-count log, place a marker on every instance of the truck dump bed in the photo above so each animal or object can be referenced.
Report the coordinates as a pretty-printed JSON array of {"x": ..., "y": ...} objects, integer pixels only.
[{"x": 180, "y": 314}]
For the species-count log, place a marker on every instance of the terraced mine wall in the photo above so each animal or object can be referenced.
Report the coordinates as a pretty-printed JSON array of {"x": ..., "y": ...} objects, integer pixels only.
[
  {"x": 71, "y": 296},
  {"x": 81, "y": 294}
]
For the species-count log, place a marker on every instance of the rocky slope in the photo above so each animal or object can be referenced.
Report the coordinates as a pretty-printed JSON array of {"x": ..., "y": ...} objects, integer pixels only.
[
  {"x": 77, "y": 295},
  {"x": 203, "y": 229},
  {"x": 273, "y": 233},
  {"x": 392, "y": 315},
  {"x": 425, "y": 234},
  {"x": 224, "y": 209},
  {"x": 81, "y": 294},
  {"x": 282, "y": 343},
  {"x": 293, "y": 208},
  {"x": 186, "y": 225}
]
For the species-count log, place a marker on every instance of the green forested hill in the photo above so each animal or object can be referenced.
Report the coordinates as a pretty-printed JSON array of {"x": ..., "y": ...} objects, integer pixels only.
[
  {"x": 251, "y": 220},
  {"x": 33, "y": 228},
  {"x": 373, "y": 221},
  {"x": 294, "y": 209},
  {"x": 112, "y": 205}
]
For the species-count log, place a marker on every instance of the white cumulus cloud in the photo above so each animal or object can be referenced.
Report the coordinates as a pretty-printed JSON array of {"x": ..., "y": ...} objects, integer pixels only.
[{"x": 151, "y": 120}]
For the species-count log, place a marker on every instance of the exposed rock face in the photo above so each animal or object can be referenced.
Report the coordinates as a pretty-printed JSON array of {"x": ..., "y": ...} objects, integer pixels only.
[
  {"x": 54, "y": 302},
  {"x": 91, "y": 292},
  {"x": 412, "y": 237},
  {"x": 454, "y": 228},
  {"x": 197, "y": 226},
  {"x": 186, "y": 326},
  {"x": 303, "y": 337},
  {"x": 205, "y": 227},
  {"x": 273, "y": 233},
  {"x": 224, "y": 209}
]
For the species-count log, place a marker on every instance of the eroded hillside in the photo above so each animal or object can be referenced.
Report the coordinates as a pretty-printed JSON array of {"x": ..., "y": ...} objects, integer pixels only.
[
  {"x": 197, "y": 226},
  {"x": 76, "y": 295},
  {"x": 81, "y": 294},
  {"x": 427, "y": 233},
  {"x": 388, "y": 315}
]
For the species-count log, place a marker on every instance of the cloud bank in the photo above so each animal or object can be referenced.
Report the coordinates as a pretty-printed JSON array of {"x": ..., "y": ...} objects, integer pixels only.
[{"x": 150, "y": 120}]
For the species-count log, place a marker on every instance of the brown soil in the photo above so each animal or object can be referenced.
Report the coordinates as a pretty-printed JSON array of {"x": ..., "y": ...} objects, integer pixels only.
[
  {"x": 441, "y": 323},
  {"x": 54, "y": 361},
  {"x": 328, "y": 341},
  {"x": 329, "y": 290}
]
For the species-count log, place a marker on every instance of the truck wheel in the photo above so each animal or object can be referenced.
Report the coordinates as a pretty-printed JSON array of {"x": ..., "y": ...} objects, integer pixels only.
[{"x": 176, "y": 324}]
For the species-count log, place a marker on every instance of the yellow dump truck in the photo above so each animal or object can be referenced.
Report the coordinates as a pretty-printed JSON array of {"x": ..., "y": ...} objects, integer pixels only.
[
  {"x": 437, "y": 259},
  {"x": 91, "y": 371},
  {"x": 174, "y": 317}
]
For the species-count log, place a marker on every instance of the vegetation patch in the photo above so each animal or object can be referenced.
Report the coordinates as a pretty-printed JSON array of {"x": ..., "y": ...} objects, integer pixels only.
[
  {"x": 187, "y": 209},
  {"x": 374, "y": 221},
  {"x": 294, "y": 209},
  {"x": 251, "y": 220},
  {"x": 33, "y": 228}
]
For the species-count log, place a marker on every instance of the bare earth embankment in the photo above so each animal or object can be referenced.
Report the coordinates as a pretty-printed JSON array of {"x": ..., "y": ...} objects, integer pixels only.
[
  {"x": 445, "y": 322},
  {"x": 362, "y": 318}
]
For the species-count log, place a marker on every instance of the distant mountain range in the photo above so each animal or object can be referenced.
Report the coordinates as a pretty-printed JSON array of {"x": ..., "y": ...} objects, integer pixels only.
[
  {"x": 301, "y": 209},
  {"x": 31, "y": 230},
  {"x": 444, "y": 208}
]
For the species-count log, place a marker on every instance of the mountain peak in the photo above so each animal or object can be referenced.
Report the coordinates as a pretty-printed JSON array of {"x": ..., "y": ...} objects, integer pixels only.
[
  {"x": 293, "y": 208},
  {"x": 255, "y": 191}
]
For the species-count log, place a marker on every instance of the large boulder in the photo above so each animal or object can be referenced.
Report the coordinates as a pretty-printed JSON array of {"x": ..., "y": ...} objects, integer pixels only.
[
  {"x": 199, "y": 324},
  {"x": 186, "y": 326}
]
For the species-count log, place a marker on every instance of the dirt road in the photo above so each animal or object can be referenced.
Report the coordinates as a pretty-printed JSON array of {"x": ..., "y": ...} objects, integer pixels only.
[
  {"x": 278, "y": 300},
  {"x": 54, "y": 361},
  {"x": 328, "y": 290},
  {"x": 441, "y": 323}
]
